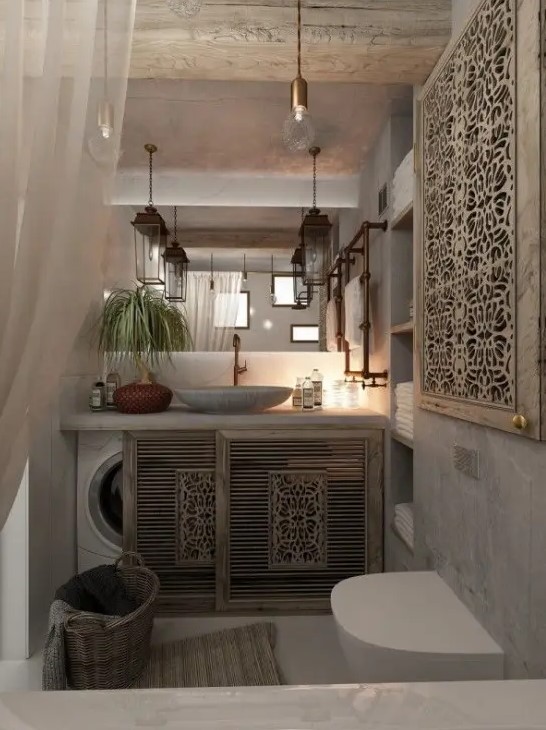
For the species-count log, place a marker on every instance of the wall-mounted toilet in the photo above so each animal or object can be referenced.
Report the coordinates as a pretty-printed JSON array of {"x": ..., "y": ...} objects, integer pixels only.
[{"x": 411, "y": 627}]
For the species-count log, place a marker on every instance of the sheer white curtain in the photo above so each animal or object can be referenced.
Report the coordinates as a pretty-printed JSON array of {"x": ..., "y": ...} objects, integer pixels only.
[
  {"x": 212, "y": 313},
  {"x": 54, "y": 197}
]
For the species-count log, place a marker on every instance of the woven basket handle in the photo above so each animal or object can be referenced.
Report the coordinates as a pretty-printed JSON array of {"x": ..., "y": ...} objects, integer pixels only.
[{"x": 133, "y": 557}]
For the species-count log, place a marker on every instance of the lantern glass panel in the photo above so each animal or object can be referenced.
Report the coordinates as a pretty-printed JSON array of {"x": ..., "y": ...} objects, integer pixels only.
[
  {"x": 176, "y": 283},
  {"x": 316, "y": 253},
  {"x": 149, "y": 249}
]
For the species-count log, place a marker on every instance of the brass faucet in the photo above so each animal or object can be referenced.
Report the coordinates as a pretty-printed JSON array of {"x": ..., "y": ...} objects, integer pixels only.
[{"x": 237, "y": 370}]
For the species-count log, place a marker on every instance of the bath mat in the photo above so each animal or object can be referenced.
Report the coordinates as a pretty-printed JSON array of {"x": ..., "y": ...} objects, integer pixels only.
[{"x": 229, "y": 658}]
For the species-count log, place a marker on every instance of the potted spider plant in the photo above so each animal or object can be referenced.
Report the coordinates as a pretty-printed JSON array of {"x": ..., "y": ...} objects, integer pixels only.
[{"x": 141, "y": 326}]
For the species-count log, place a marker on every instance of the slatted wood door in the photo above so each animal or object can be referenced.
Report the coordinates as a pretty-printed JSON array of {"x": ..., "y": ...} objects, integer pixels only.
[
  {"x": 297, "y": 512},
  {"x": 170, "y": 513}
]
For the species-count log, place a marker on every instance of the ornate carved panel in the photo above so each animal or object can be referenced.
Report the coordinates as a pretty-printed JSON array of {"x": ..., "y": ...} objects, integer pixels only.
[
  {"x": 297, "y": 519},
  {"x": 469, "y": 215},
  {"x": 196, "y": 514}
]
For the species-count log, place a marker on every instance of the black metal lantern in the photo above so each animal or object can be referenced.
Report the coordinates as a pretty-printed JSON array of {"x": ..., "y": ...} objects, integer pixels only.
[
  {"x": 303, "y": 295},
  {"x": 316, "y": 237},
  {"x": 150, "y": 238},
  {"x": 176, "y": 269}
]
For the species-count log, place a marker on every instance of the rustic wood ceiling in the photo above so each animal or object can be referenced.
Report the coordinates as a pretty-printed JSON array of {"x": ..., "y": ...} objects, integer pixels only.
[{"x": 379, "y": 41}]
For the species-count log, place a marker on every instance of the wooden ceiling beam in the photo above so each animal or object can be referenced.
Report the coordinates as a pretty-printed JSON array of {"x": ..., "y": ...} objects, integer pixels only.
[{"x": 384, "y": 41}]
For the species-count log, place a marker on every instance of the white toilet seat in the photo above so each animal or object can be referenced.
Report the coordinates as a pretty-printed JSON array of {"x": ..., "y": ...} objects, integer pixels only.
[
  {"x": 404, "y": 627},
  {"x": 412, "y": 611}
]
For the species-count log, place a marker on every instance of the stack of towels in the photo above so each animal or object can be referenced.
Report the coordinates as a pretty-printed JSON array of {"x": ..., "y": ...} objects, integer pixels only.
[
  {"x": 403, "y": 522},
  {"x": 403, "y": 415},
  {"x": 402, "y": 185}
]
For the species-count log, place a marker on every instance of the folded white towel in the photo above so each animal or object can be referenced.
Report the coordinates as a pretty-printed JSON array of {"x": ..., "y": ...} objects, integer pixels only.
[
  {"x": 403, "y": 532},
  {"x": 405, "y": 431},
  {"x": 331, "y": 326},
  {"x": 404, "y": 508},
  {"x": 353, "y": 299},
  {"x": 404, "y": 519}
]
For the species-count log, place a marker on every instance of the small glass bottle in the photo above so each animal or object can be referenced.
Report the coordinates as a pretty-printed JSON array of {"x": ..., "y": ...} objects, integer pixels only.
[
  {"x": 317, "y": 379},
  {"x": 97, "y": 396},
  {"x": 113, "y": 381},
  {"x": 297, "y": 395},
  {"x": 308, "y": 394}
]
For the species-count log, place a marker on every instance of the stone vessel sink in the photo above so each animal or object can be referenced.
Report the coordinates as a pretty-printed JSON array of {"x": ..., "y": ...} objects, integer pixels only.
[{"x": 233, "y": 399}]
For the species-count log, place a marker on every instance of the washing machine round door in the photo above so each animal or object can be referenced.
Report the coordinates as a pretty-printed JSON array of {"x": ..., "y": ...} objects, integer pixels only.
[{"x": 105, "y": 501}]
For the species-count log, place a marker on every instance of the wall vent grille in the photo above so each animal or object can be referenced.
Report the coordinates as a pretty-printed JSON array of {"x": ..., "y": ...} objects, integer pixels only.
[{"x": 160, "y": 464}]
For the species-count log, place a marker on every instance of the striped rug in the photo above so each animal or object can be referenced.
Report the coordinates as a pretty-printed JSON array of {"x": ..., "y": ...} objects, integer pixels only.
[{"x": 229, "y": 658}]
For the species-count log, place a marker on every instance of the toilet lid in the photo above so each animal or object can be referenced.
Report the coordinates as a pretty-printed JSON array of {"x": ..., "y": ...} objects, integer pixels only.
[{"x": 412, "y": 611}]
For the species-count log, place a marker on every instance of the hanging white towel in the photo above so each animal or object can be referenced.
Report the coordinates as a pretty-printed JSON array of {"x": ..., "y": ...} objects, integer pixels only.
[
  {"x": 354, "y": 308},
  {"x": 331, "y": 326}
]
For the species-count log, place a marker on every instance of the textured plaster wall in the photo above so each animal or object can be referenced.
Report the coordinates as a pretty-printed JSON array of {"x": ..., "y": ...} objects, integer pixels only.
[{"x": 486, "y": 537}]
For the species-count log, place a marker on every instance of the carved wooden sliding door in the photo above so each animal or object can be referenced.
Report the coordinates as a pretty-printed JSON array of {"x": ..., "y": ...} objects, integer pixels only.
[{"x": 478, "y": 236}]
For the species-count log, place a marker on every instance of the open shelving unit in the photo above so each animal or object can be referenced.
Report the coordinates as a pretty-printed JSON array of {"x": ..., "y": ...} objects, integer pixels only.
[{"x": 398, "y": 554}]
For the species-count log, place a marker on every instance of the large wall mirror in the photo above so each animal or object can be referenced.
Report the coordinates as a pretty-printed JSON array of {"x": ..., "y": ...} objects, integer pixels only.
[{"x": 241, "y": 280}]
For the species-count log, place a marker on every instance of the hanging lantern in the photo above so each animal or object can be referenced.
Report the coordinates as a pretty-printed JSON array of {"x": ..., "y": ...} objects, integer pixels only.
[
  {"x": 176, "y": 269},
  {"x": 316, "y": 234},
  {"x": 297, "y": 270},
  {"x": 150, "y": 237}
]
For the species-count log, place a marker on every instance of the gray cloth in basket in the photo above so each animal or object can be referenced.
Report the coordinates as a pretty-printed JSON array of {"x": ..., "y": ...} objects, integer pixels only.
[
  {"x": 53, "y": 669},
  {"x": 100, "y": 590}
]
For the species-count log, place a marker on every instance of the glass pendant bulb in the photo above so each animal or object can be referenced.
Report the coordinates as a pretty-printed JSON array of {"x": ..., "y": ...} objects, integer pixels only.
[
  {"x": 185, "y": 8},
  {"x": 298, "y": 132}
]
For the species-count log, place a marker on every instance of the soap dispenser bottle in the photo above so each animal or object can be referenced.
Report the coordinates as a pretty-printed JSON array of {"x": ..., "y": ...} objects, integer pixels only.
[
  {"x": 297, "y": 395},
  {"x": 308, "y": 395},
  {"x": 97, "y": 397},
  {"x": 113, "y": 382},
  {"x": 317, "y": 379}
]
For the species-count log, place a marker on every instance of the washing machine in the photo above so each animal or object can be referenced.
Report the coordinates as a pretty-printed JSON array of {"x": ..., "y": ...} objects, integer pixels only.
[{"x": 100, "y": 498}]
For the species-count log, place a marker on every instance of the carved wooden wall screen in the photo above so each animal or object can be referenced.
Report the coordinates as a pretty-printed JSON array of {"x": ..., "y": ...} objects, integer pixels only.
[{"x": 469, "y": 215}]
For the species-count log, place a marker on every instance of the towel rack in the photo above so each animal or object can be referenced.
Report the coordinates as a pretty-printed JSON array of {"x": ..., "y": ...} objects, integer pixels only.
[{"x": 365, "y": 374}]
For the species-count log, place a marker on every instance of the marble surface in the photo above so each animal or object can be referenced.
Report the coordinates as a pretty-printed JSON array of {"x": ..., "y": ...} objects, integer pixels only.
[
  {"x": 438, "y": 706},
  {"x": 178, "y": 417}
]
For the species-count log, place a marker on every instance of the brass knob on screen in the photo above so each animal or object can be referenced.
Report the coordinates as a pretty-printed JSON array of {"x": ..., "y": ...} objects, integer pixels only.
[{"x": 519, "y": 422}]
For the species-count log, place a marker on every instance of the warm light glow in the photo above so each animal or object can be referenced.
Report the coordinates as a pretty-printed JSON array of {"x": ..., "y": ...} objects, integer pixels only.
[
  {"x": 299, "y": 111},
  {"x": 106, "y": 130},
  {"x": 268, "y": 324}
]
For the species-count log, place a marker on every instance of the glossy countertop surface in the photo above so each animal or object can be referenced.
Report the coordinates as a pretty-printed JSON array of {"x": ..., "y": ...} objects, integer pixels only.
[
  {"x": 439, "y": 706},
  {"x": 179, "y": 417}
]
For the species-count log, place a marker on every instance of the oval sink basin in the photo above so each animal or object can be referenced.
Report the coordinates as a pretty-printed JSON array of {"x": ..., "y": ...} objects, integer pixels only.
[{"x": 233, "y": 399}]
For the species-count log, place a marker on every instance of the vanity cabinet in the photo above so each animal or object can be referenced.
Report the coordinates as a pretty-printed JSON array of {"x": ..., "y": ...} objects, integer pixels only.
[{"x": 254, "y": 519}]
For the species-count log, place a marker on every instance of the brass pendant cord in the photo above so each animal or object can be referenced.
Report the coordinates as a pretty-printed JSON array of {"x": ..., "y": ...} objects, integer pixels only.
[
  {"x": 299, "y": 39},
  {"x": 105, "y": 48}
]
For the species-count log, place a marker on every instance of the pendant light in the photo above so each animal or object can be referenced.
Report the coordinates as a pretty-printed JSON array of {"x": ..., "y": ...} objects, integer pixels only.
[
  {"x": 176, "y": 268},
  {"x": 315, "y": 232},
  {"x": 185, "y": 8},
  {"x": 298, "y": 132},
  {"x": 150, "y": 237},
  {"x": 245, "y": 272},
  {"x": 272, "y": 295},
  {"x": 101, "y": 144}
]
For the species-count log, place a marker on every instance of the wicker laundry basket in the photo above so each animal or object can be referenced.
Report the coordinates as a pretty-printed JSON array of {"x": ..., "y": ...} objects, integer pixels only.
[{"x": 103, "y": 652}]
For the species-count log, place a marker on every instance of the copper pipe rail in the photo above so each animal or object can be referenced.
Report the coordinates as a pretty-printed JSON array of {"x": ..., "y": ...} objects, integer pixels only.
[
  {"x": 364, "y": 374},
  {"x": 336, "y": 272}
]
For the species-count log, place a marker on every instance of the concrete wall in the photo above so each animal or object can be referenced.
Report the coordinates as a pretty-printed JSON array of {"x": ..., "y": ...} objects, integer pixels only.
[{"x": 487, "y": 537}]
